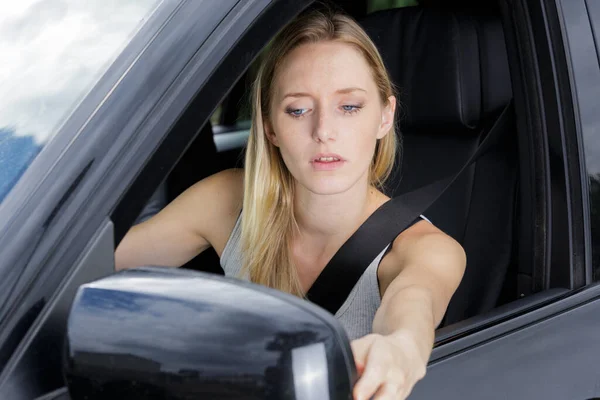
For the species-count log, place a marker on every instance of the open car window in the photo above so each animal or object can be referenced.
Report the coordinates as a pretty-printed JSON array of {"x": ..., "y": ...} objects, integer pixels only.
[
  {"x": 483, "y": 214},
  {"x": 492, "y": 214}
]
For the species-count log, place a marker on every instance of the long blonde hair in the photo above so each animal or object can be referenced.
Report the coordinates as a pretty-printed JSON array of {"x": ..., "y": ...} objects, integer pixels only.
[{"x": 268, "y": 220}]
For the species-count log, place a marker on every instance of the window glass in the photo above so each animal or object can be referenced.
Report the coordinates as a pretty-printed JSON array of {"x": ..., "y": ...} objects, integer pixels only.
[
  {"x": 53, "y": 52},
  {"x": 376, "y": 5}
]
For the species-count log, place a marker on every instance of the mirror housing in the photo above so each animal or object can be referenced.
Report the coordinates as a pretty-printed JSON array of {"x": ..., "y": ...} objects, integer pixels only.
[{"x": 157, "y": 333}]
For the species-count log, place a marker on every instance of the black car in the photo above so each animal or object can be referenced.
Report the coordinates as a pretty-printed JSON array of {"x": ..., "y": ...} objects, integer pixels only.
[{"x": 110, "y": 109}]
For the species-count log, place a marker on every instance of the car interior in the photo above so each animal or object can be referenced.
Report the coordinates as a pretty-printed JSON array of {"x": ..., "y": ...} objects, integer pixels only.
[{"x": 450, "y": 63}]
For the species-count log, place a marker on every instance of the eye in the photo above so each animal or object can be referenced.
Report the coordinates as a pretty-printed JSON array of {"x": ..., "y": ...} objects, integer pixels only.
[
  {"x": 296, "y": 112},
  {"x": 350, "y": 109}
]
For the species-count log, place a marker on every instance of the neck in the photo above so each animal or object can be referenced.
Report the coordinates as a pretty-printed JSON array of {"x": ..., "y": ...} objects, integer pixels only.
[{"x": 324, "y": 219}]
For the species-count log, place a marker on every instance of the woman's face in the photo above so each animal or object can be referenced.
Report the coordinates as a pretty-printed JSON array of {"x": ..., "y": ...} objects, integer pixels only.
[{"x": 326, "y": 116}]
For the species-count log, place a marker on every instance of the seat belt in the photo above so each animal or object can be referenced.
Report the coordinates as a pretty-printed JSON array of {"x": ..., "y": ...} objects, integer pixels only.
[{"x": 340, "y": 275}]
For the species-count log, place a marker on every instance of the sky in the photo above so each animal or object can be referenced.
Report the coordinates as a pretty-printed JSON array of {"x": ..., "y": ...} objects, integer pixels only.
[{"x": 52, "y": 53}]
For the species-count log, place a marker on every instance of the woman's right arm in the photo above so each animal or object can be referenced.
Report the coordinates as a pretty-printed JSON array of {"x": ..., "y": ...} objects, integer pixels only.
[{"x": 202, "y": 215}]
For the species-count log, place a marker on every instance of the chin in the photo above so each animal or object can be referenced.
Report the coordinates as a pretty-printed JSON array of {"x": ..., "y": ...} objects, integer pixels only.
[{"x": 329, "y": 185}]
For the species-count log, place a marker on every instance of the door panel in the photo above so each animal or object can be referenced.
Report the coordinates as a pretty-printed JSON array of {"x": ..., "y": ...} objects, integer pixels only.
[
  {"x": 36, "y": 366},
  {"x": 556, "y": 358}
]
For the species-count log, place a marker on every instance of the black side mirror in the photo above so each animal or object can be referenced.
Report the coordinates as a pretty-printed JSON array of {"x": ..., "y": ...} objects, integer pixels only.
[{"x": 157, "y": 333}]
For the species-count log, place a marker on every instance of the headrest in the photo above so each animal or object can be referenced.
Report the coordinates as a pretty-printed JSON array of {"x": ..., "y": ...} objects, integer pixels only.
[{"x": 451, "y": 69}]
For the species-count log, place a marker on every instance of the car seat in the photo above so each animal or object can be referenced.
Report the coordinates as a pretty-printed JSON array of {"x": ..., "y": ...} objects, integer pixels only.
[
  {"x": 199, "y": 161},
  {"x": 451, "y": 70}
]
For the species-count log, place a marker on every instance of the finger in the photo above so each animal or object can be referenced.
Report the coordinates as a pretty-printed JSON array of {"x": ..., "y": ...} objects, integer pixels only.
[
  {"x": 404, "y": 391},
  {"x": 388, "y": 391},
  {"x": 405, "y": 386},
  {"x": 360, "y": 351},
  {"x": 372, "y": 377},
  {"x": 406, "y": 381}
]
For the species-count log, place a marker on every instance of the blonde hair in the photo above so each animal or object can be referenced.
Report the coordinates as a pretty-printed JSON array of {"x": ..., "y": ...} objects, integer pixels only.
[{"x": 268, "y": 220}]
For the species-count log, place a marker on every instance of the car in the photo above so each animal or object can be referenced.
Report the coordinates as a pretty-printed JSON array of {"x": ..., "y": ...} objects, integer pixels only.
[{"x": 109, "y": 109}]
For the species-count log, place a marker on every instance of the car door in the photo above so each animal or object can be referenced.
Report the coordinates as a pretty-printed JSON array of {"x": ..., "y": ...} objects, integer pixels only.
[
  {"x": 57, "y": 225},
  {"x": 547, "y": 347}
]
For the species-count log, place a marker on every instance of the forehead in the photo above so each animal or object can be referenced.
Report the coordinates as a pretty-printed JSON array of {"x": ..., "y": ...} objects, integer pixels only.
[{"x": 321, "y": 67}]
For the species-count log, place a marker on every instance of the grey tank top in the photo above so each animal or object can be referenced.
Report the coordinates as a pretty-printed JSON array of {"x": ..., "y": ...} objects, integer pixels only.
[{"x": 355, "y": 315}]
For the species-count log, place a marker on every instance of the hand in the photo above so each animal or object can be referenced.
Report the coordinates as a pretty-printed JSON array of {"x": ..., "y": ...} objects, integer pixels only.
[{"x": 388, "y": 366}]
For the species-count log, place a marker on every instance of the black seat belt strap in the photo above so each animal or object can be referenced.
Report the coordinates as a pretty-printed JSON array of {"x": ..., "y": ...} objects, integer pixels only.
[{"x": 343, "y": 271}]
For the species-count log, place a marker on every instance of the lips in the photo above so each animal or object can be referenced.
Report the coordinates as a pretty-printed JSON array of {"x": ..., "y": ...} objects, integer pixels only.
[
  {"x": 327, "y": 157},
  {"x": 327, "y": 162}
]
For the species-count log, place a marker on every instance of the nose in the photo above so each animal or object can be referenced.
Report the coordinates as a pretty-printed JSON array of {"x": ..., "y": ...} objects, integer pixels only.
[{"x": 324, "y": 128}]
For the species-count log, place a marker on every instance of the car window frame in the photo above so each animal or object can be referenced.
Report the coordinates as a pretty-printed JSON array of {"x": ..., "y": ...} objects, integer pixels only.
[
  {"x": 568, "y": 177},
  {"x": 583, "y": 61}
]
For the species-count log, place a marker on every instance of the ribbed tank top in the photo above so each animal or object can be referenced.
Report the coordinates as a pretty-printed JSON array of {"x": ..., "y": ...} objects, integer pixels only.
[{"x": 355, "y": 315}]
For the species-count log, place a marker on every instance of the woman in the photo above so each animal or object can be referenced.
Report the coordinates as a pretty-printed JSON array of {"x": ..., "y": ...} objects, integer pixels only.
[{"x": 322, "y": 144}]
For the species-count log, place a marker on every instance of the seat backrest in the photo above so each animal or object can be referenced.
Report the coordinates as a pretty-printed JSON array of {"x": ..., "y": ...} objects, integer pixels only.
[
  {"x": 451, "y": 71},
  {"x": 199, "y": 161}
]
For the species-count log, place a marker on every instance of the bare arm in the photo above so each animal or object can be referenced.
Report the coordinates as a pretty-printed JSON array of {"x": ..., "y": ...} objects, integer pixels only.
[
  {"x": 426, "y": 269},
  {"x": 201, "y": 217},
  {"x": 421, "y": 274}
]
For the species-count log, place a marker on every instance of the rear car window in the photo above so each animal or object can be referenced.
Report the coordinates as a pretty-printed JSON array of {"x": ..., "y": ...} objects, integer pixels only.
[
  {"x": 376, "y": 5},
  {"x": 53, "y": 52}
]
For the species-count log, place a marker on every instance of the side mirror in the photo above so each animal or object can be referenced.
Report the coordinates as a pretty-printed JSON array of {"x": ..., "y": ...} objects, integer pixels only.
[{"x": 158, "y": 333}]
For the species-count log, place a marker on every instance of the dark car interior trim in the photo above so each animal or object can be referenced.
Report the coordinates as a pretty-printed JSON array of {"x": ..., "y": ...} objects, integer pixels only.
[
  {"x": 498, "y": 315},
  {"x": 59, "y": 394},
  {"x": 574, "y": 163},
  {"x": 567, "y": 264},
  {"x": 581, "y": 88},
  {"x": 556, "y": 304}
]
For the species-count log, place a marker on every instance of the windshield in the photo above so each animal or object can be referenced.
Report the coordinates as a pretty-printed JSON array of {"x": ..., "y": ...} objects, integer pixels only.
[{"x": 53, "y": 52}]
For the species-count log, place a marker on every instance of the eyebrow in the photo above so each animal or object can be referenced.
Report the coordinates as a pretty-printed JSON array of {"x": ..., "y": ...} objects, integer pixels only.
[{"x": 340, "y": 91}]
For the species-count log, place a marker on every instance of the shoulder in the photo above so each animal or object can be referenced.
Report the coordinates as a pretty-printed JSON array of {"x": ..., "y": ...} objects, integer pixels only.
[
  {"x": 222, "y": 191},
  {"x": 420, "y": 245},
  {"x": 212, "y": 205},
  {"x": 226, "y": 187}
]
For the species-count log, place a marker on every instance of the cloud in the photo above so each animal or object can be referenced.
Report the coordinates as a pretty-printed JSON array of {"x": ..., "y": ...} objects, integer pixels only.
[{"x": 53, "y": 52}]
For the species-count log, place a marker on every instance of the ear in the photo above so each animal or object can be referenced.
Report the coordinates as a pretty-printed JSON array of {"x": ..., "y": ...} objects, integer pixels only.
[
  {"x": 387, "y": 117},
  {"x": 270, "y": 133}
]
